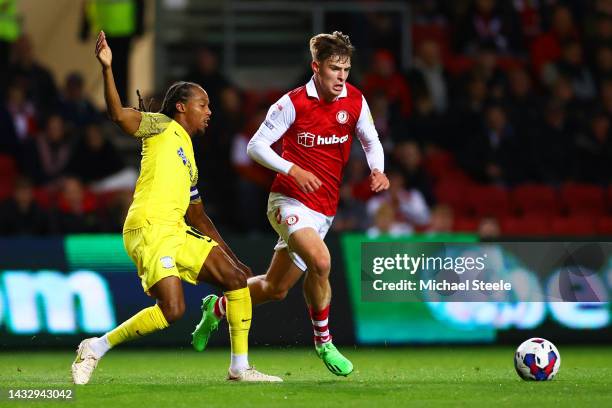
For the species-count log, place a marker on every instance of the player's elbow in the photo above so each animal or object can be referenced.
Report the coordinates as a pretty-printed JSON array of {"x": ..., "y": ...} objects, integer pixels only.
[{"x": 252, "y": 148}]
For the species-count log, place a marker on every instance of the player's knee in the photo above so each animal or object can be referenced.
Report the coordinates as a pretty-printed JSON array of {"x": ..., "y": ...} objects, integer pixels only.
[
  {"x": 234, "y": 279},
  {"x": 320, "y": 266},
  {"x": 277, "y": 294},
  {"x": 173, "y": 310}
]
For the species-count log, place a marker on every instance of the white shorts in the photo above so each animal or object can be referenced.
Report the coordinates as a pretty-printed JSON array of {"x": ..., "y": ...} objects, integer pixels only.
[{"x": 287, "y": 215}]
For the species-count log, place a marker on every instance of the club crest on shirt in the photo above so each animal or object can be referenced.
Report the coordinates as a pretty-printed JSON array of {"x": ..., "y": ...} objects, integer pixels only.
[
  {"x": 342, "y": 117},
  {"x": 187, "y": 163}
]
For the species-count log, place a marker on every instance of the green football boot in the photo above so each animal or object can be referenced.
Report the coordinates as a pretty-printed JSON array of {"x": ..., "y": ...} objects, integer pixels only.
[
  {"x": 208, "y": 324},
  {"x": 333, "y": 360}
]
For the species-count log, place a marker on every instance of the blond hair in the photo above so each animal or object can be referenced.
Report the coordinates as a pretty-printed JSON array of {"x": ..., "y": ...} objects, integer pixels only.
[{"x": 324, "y": 46}]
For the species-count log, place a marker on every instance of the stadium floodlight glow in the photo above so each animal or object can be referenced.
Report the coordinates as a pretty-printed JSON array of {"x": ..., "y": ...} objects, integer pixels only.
[{"x": 57, "y": 303}]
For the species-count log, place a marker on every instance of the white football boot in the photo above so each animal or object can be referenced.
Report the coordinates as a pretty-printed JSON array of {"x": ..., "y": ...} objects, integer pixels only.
[
  {"x": 251, "y": 375},
  {"x": 84, "y": 364}
]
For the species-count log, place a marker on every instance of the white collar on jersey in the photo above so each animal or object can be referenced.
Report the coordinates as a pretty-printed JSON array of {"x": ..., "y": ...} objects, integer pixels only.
[{"x": 311, "y": 90}]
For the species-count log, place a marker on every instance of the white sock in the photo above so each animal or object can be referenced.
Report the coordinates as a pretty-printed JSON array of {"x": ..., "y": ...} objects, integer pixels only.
[
  {"x": 100, "y": 345},
  {"x": 240, "y": 362}
]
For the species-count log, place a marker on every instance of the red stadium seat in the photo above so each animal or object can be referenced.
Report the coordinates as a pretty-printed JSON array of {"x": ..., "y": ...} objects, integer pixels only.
[
  {"x": 530, "y": 224},
  {"x": 603, "y": 225},
  {"x": 432, "y": 32},
  {"x": 489, "y": 201},
  {"x": 8, "y": 173},
  {"x": 439, "y": 163},
  {"x": 583, "y": 199},
  {"x": 534, "y": 199},
  {"x": 454, "y": 194},
  {"x": 43, "y": 197},
  {"x": 465, "y": 224},
  {"x": 573, "y": 225}
]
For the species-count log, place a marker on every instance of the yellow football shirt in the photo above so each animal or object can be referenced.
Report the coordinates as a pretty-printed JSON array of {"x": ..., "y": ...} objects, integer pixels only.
[{"x": 168, "y": 174}]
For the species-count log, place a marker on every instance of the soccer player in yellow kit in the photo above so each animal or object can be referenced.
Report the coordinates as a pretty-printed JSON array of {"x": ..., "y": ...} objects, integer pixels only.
[{"x": 164, "y": 248}]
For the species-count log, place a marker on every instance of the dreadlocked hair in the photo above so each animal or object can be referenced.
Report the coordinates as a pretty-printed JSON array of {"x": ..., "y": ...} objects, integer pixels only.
[
  {"x": 141, "y": 104},
  {"x": 178, "y": 92}
]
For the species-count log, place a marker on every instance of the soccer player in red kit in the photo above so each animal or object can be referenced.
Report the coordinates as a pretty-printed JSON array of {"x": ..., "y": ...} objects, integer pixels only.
[{"x": 317, "y": 123}]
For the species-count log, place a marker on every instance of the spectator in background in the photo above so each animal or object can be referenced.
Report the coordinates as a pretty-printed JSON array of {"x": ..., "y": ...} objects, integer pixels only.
[
  {"x": 385, "y": 79},
  {"x": 355, "y": 191},
  {"x": 388, "y": 128},
  {"x": 426, "y": 125},
  {"x": 98, "y": 163},
  {"x": 492, "y": 155},
  {"x": 601, "y": 36},
  {"x": 428, "y": 76},
  {"x": 466, "y": 117},
  {"x": 20, "y": 214},
  {"x": 603, "y": 65},
  {"x": 594, "y": 152},
  {"x": 408, "y": 159},
  {"x": 35, "y": 79},
  {"x": 409, "y": 205},
  {"x": 206, "y": 71},
  {"x": 486, "y": 67},
  {"x": 571, "y": 66},
  {"x": 9, "y": 142},
  {"x": 442, "y": 219},
  {"x": 385, "y": 222},
  {"x": 430, "y": 12},
  {"x": 76, "y": 209},
  {"x": 562, "y": 90},
  {"x": 552, "y": 145},
  {"x": 529, "y": 18},
  {"x": 489, "y": 21},
  {"x": 253, "y": 181},
  {"x": 76, "y": 109},
  {"x": 524, "y": 105},
  {"x": 605, "y": 94},
  {"x": 213, "y": 154},
  {"x": 488, "y": 228},
  {"x": 546, "y": 48},
  {"x": 22, "y": 112},
  {"x": 45, "y": 157}
]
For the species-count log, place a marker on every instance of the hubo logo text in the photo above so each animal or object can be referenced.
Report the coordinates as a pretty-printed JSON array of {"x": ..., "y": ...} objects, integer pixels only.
[
  {"x": 308, "y": 139},
  {"x": 53, "y": 302}
]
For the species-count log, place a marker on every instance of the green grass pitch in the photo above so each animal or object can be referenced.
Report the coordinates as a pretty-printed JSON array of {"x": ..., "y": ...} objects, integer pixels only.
[{"x": 430, "y": 377}]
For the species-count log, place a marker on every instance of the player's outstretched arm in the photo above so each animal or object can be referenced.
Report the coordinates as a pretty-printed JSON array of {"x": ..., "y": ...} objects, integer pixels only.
[
  {"x": 128, "y": 119},
  {"x": 197, "y": 218}
]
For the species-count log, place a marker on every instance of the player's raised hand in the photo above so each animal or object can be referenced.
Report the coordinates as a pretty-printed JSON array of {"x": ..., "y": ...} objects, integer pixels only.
[
  {"x": 103, "y": 51},
  {"x": 308, "y": 182},
  {"x": 378, "y": 181}
]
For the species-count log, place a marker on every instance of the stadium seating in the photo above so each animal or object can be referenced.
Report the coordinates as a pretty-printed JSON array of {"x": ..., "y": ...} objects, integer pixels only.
[
  {"x": 534, "y": 199},
  {"x": 465, "y": 224},
  {"x": 487, "y": 201},
  {"x": 580, "y": 199},
  {"x": 528, "y": 225},
  {"x": 574, "y": 225},
  {"x": 8, "y": 173},
  {"x": 603, "y": 225}
]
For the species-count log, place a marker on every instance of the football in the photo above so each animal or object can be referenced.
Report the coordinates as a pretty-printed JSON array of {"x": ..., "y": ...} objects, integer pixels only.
[{"x": 537, "y": 359}]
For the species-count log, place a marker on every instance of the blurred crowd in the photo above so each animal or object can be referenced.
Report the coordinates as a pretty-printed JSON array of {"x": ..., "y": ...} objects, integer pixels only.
[{"x": 500, "y": 125}]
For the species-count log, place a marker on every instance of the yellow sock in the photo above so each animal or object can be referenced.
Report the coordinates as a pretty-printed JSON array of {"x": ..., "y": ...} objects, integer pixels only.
[
  {"x": 146, "y": 321},
  {"x": 239, "y": 313}
]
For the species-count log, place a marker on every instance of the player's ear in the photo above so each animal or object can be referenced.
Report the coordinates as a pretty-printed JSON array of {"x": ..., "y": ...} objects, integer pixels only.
[
  {"x": 180, "y": 107},
  {"x": 315, "y": 66}
]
